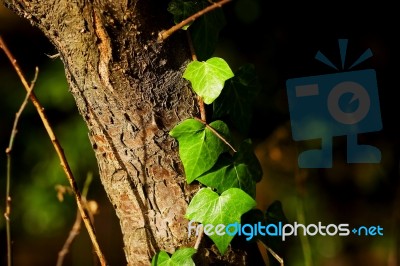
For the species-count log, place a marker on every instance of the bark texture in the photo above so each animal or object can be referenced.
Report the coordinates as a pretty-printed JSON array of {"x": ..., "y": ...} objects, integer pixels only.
[{"x": 129, "y": 90}]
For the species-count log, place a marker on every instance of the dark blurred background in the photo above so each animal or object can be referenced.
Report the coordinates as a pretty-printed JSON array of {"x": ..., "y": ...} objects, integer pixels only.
[{"x": 281, "y": 41}]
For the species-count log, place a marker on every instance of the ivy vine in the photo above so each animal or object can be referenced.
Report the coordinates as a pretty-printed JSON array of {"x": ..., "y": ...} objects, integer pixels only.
[{"x": 228, "y": 170}]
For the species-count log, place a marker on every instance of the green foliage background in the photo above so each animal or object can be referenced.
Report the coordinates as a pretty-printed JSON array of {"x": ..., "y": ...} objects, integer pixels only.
[{"x": 40, "y": 223}]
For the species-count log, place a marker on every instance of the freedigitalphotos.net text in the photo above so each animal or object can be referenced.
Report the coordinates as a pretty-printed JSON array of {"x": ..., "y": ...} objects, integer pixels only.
[{"x": 283, "y": 230}]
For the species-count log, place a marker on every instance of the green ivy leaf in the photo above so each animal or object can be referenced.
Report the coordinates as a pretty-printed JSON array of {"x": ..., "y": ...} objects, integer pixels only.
[
  {"x": 237, "y": 97},
  {"x": 181, "y": 257},
  {"x": 199, "y": 147},
  {"x": 242, "y": 171},
  {"x": 207, "y": 207},
  {"x": 182, "y": 9},
  {"x": 208, "y": 78},
  {"x": 205, "y": 32}
]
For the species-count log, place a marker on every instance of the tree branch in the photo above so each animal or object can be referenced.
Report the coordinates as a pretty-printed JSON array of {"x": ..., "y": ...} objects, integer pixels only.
[{"x": 165, "y": 34}]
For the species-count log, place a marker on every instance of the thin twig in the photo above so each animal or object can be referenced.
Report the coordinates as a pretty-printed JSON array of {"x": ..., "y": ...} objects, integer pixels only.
[
  {"x": 276, "y": 256},
  {"x": 19, "y": 113},
  {"x": 59, "y": 152},
  {"x": 217, "y": 134},
  {"x": 393, "y": 254},
  {"x": 75, "y": 230},
  {"x": 53, "y": 56},
  {"x": 165, "y": 34},
  {"x": 199, "y": 238},
  {"x": 304, "y": 240},
  {"x": 305, "y": 243},
  {"x": 14, "y": 131}
]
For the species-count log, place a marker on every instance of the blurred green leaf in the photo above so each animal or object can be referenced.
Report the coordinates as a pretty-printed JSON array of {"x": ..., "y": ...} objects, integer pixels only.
[{"x": 52, "y": 89}]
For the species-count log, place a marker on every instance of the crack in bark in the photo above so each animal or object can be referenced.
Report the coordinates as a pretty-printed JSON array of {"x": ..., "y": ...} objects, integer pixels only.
[
  {"x": 150, "y": 238},
  {"x": 105, "y": 50}
]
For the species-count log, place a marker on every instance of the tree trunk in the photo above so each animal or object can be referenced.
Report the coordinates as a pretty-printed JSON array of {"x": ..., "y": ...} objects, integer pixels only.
[{"x": 130, "y": 91}]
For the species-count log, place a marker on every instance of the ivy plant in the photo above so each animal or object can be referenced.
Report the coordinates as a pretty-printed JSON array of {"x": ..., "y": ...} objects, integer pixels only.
[
  {"x": 182, "y": 257},
  {"x": 228, "y": 171}
]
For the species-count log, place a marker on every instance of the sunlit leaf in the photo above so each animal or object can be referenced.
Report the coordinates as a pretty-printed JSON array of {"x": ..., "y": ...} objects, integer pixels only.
[
  {"x": 181, "y": 257},
  {"x": 208, "y": 78},
  {"x": 207, "y": 207},
  {"x": 199, "y": 147}
]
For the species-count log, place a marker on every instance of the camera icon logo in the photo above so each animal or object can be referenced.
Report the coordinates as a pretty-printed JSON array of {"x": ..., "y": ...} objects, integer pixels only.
[{"x": 338, "y": 104}]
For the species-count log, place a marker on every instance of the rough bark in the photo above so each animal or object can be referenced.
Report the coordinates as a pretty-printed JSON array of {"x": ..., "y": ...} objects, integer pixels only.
[{"x": 129, "y": 90}]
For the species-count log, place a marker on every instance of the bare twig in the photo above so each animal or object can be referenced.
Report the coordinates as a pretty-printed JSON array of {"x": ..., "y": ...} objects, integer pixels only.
[
  {"x": 300, "y": 176},
  {"x": 165, "y": 34},
  {"x": 59, "y": 152},
  {"x": 217, "y": 134},
  {"x": 72, "y": 234},
  {"x": 199, "y": 238},
  {"x": 75, "y": 230},
  {"x": 14, "y": 131},
  {"x": 53, "y": 56},
  {"x": 276, "y": 256}
]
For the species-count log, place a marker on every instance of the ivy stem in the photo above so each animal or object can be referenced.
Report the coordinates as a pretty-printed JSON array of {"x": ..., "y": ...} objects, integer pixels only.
[
  {"x": 200, "y": 101},
  {"x": 202, "y": 109},
  {"x": 217, "y": 134},
  {"x": 165, "y": 34}
]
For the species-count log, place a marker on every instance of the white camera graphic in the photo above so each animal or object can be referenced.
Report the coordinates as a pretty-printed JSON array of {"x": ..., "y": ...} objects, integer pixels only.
[{"x": 338, "y": 104}]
